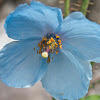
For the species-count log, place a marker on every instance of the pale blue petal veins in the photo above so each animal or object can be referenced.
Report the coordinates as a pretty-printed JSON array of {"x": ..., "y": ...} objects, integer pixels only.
[
  {"x": 77, "y": 24},
  {"x": 66, "y": 77},
  {"x": 80, "y": 36},
  {"x": 53, "y": 14},
  {"x": 88, "y": 45},
  {"x": 20, "y": 65},
  {"x": 27, "y": 22}
]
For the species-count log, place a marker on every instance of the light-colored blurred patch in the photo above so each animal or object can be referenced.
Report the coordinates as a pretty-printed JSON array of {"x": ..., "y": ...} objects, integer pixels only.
[
  {"x": 3, "y": 36},
  {"x": 6, "y": 9},
  {"x": 34, "y": 93}
]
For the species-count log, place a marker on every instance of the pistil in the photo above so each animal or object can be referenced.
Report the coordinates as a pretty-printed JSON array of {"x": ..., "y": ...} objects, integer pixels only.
[
  {"x": 49, "y": 45},
  {"x": 45, "y": 54}
]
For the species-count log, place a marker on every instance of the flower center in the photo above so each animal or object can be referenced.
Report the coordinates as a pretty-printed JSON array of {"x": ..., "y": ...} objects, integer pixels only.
[{"x": 49, "y": 45}]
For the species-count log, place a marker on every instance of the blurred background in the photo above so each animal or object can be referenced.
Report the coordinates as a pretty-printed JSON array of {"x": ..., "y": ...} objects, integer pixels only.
[{"x": 37, "y": 92}]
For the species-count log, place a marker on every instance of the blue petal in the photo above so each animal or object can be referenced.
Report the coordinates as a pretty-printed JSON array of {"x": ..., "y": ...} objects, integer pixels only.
[
  {"x": 53, "y": 13},
  {"x": 67, "y": 76},
  {"x": 20, "y": 65},
  {"x": 87, "y": 45},
  {"x": 81, "y": 36},
  {"x": 28, "y": 22},
  {"x": 77, "y": 24}
]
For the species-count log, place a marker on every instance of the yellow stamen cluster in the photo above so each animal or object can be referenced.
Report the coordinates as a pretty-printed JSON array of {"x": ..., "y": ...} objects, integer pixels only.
[
  {"x": 51, "y": 40},
  {"x": 52, "y": 43},
  {"x": 49, "y": 45}
]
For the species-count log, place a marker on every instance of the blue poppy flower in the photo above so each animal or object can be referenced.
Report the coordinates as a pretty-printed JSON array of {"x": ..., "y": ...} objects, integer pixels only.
[{"x": 56, "y": 51}]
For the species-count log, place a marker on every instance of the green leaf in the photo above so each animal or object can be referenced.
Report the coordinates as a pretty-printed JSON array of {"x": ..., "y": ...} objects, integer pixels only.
[
  {"x": 91, "y": 97},
  {"x": 83, "y": 98}
]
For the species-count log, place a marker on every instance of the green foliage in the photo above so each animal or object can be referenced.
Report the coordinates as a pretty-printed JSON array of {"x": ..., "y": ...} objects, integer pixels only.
[
  {"x": 84, "y": 6},
  {"x": 91, "y": 97},
  {"x": 92, "y": 63},
  {"x": 53, "y": 99},
  {"x": 67, "y": 6}
]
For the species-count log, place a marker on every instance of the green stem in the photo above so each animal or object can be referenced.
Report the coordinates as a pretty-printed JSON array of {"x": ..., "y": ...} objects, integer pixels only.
[
  {"x": 67, "y": 6},
  {"x": 53, "y": 98},
  {"x": 92, "y": 63},
  {"x": 84, "y": 6}
]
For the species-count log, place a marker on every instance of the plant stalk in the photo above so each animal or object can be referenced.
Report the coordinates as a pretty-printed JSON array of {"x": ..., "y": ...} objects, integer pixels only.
[
  {"x": 84, "y": 6},
  {"x": 67, "y": 7}
]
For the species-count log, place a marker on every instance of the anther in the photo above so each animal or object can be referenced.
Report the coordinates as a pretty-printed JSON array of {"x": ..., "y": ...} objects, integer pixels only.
[
  {"x": 56, "y": 44},
  {"x": 48, "y": 60},
  {"x": 57, "y": 52},
  {"x": 39, "y": 45},
  {"x": 52, "y": 40},
  {"x": 49, "y": 47},
  {"x": 57, "y": 36},
  {"x": 44, "y": 39},
  {"x": 60, "y": 46},
  {"x": 39, "y": 51}
]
